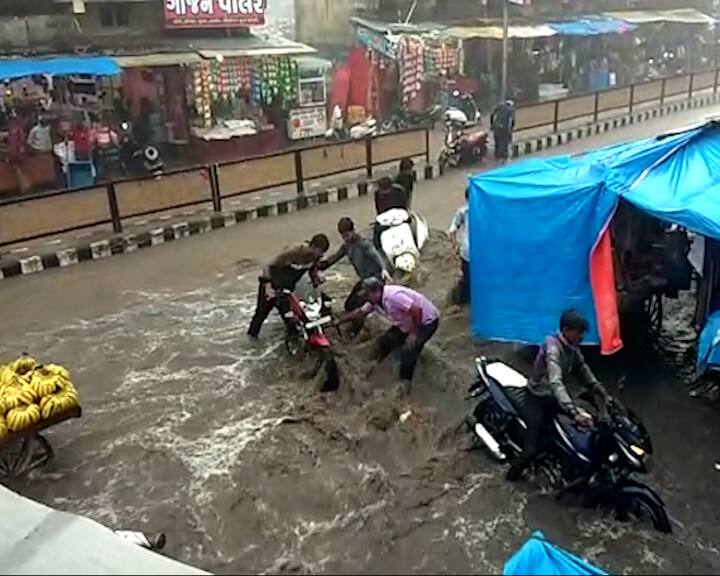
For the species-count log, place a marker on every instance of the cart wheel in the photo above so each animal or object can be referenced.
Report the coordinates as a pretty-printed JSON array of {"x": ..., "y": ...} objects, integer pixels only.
[
  {"x": 24, "y": 454},
  {"x": 653, "y": 314}
]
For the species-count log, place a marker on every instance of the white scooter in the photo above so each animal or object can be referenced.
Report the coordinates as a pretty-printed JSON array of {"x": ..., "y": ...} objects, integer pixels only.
[{"x": 402, "y": 237}]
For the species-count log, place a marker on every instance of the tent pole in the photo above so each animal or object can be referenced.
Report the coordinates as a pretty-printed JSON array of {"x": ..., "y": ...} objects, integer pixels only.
[{"x": 503, "y": 91}]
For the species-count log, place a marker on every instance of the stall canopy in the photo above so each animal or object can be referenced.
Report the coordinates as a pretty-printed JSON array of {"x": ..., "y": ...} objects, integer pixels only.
[
  {"x": 496, "y": 32},
  {"x": 594, "y": 26},
  {"x": 539, "y": 241},
  {"x": 95, "y": 65},
  {"x": 681, "y": 15}
]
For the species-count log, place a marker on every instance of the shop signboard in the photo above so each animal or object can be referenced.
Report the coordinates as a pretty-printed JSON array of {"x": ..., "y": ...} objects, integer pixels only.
[
  {"x": 214, "y": 13},
  {"x": 307, "y": 122},
  {"x": 378, "y": 42}
]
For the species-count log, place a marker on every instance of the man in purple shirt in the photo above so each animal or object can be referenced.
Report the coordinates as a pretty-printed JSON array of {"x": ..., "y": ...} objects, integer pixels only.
[{"x": 413, "y": 317}]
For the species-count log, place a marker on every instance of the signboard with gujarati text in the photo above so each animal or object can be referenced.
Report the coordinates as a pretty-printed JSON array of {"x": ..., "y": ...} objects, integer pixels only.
[{"x": 214, "y": 13}]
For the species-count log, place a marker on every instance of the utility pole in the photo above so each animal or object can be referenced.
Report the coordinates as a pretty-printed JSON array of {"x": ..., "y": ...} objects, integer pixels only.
[{"x": 504, "y": 85}]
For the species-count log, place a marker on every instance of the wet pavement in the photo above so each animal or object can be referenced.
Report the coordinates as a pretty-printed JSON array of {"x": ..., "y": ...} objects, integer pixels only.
[{"x": 189, "y": 429}]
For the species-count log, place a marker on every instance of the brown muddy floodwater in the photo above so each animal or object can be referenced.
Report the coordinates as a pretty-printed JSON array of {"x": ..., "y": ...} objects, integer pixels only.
[{"x": 191, "y": 430}]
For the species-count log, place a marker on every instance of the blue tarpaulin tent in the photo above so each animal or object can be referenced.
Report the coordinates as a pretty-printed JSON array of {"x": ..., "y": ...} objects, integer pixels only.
[
  {"x": 538, "y": 556},
  {"x": 534, "y": 224},
  {"x": 11, "y": 69}
]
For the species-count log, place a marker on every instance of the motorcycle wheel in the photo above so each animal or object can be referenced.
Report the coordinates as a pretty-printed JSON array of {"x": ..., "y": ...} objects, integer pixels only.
[
  {"x": 642, "y": 508},
  {"x": 294, "y": 346},
  {"x": 330, "y": 375}
]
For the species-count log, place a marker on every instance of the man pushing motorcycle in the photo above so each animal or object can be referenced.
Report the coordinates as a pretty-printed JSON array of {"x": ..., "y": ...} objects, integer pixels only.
[
  {"x": 282, "y": 274},
  {"x": 558, "y": 358}
]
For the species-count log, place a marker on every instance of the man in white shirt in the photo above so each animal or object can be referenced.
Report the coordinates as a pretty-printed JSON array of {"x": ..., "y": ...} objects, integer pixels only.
[
  {"x": 459, "y": 233},
  {"x": 39, "y": 139}
]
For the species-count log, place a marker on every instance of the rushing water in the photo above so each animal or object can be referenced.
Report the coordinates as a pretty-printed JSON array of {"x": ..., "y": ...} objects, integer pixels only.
[{"x": 190, "y": 429}]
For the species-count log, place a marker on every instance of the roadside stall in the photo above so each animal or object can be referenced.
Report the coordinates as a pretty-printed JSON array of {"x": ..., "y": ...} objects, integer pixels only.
[
  {"x": 33, "y": 398},
  {"x": 410, "y": 66},
  {"x": 308, "y": 119},
  {"x": 626, "y": 227},
  {"x": 240, "y": 100},
  {"x": 48, "y": 109}
]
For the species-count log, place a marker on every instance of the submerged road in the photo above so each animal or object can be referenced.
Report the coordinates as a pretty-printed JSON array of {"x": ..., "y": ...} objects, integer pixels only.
[{"x": 191, "y": 430}]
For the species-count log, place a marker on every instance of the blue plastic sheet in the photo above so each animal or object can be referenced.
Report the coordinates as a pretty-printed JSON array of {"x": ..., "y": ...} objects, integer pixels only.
[
  {"x": 708, "y": 355},
  {"x": 534, "y": 224},
  {"x": 538, "y": 556},
  {"x": 591, "y": 27},
  {"x": 94, "y": 65}
]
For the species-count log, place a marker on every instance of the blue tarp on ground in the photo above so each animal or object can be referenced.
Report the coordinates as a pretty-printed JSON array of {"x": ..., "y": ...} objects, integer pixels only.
[
  {"x": 94, "y": 65},
  {"x": 591, "y": 26},
  {"x": 538, "y": 556},
  {"x": 533, "y": 224}
]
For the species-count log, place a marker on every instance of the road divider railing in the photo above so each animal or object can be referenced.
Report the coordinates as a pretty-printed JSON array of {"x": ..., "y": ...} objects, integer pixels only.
[
  {"x": 44, "y": 214},
  {"x": 553, "y": 114}
]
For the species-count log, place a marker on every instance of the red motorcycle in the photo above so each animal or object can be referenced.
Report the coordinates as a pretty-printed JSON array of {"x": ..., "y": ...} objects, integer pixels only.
[
  {"x": 307, "y": 314},
  {"x": 461, "y": 147}
]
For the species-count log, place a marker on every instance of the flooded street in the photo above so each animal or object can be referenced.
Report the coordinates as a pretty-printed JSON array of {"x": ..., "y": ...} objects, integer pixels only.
[{"x": 190, "y": 429}]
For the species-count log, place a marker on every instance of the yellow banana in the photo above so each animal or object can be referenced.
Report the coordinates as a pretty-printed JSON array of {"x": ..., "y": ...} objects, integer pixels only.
[
  {"x": 24, "y": 364},
  {"x": 12, "y": 398},
  {"x": 23, "y": 417},
  {"x": 58, "y": 370},
  {"x": 27, "y": 394},
  {"x": 3, "y": 428}
]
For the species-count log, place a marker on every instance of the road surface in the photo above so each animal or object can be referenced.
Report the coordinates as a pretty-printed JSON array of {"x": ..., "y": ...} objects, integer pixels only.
[{"x": 191, "y": 430}]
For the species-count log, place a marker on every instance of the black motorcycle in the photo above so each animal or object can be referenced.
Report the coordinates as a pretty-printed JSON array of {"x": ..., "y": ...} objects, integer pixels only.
[
  {"x": 137, "y": 160},
  {"x": 599, "y": 463},
  {"x": 404, "y": 119}
]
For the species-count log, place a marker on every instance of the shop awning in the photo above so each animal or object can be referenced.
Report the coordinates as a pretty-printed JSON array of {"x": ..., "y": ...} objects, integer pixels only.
[
  {"x": 95, "y": 65},
  {"x": 295, "y": 50},
  {"x": 592, "y": 26},
  {"x": 496, "y": 32},
  {"x": 682, "y": 16},
  {"x": 150, "y": 60}
]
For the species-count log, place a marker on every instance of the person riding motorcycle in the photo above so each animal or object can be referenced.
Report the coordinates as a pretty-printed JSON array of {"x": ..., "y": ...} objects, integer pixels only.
[{"x": 558, "y": 358}]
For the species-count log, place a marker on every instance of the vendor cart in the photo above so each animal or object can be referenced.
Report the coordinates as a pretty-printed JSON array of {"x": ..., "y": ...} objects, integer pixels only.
[{"x": 26, "y": 450}]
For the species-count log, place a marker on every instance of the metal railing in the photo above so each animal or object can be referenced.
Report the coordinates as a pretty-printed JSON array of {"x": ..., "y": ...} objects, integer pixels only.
[
  {"x": 553, "y": 113},
  {"x": 45, "y": 214}
]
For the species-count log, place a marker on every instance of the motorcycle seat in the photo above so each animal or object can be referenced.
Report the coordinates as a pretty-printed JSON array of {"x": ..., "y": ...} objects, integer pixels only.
[{"x": 393, "y": 217}]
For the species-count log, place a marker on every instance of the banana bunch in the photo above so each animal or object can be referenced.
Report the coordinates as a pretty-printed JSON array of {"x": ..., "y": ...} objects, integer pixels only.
[
  {"x": 22, "y": 417},
  {"x": 30, "y": 392}
]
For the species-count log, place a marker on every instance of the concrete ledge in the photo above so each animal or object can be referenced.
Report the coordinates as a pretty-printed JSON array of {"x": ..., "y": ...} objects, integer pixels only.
[{"x": 122, "y": 244}]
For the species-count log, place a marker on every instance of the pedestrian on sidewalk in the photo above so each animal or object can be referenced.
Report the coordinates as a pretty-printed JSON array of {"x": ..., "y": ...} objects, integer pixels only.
[
  {"x": 364, "y": 258},
  {"x": 414, "y": 319},
  {"x": 459, "y": 233},
  {"x": 283, "y": 273},
  {"x": 502, "y": 122}
]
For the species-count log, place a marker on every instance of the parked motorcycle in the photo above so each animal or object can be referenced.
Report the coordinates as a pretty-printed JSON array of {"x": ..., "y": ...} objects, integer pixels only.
[
  {"x": 599, "y": 463},
  {"x": 404, "y": 119},
  {"x": 461, "y": 148},
  {"x": 402, "y": 236},
  {"x": 138, "y": 160},
  {"x": 465, "y": 104},
  {"x": 338, "y": 129},
  {"x": 307, "y": 314}
]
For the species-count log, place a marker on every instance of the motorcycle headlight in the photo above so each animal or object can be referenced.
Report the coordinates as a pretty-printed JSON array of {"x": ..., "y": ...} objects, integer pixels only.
[{"x": 639, "y": 452}]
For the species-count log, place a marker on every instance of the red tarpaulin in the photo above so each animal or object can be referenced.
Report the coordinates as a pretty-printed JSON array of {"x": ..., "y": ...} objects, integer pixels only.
[{"x": 360, "y": 78}]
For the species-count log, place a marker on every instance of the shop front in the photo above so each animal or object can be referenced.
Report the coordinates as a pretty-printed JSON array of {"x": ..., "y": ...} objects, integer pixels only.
[{"x": 52, "y": 120}]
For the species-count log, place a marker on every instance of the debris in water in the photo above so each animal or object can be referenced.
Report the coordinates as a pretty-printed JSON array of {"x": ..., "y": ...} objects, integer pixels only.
[{"x": 404, "y": 416}]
